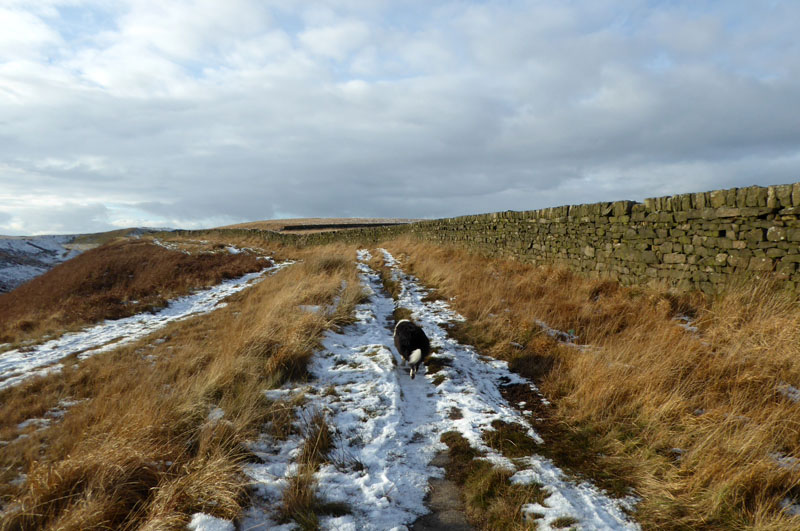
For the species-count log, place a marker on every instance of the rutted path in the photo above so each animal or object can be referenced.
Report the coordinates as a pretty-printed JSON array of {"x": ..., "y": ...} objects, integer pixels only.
[
  {"x": 36, "y": 360},
  {"x": 388, "y": 427}
]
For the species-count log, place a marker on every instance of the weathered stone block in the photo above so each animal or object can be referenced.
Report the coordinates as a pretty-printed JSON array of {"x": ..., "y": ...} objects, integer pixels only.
[
  {"x": 760, "y": 264},
  {"x": 772, "y": 199},
  {"x": 727, "y": 212},
  {"x": 730, "y": 197},
  {"x": 741, "y": 197},
  {"x": 699, "y": 201},
  {"x": 756, "y": 197},
  {"x": 775, "y": 234},
  {"x": 755, "y": 235},
  {"x": 784, "y": 194},
  {"x": 674, "y": 258},
  {"x": 738, "y": 261},
  {"x": 717, "y": 198},
  {"x": 648, "y": 257}
]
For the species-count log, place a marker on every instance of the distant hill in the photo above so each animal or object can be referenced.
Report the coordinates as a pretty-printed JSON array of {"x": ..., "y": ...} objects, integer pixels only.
[
  {"x": 23, "y": 258},
  {"x": 306, "y": 225}
]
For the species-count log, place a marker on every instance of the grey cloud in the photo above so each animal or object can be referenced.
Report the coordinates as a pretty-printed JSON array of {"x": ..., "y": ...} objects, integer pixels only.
[
  {"x": 59, "y": 219},
  {"x": 460, "y": 108}
]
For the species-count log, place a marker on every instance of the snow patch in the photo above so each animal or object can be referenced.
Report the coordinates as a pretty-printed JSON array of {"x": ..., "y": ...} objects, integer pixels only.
[
  {"x": 789, "y": 391},
  {"x": 582, "y": 501},
  {"x": 215, "y": 415},
  {"x": 790, "y": 506},
  {"x": 687, "y": 323},
  {"x": 206, "y": 522}
]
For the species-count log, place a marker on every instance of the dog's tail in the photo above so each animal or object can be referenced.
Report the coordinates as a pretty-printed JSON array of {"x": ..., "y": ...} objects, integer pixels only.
[{"x": 414, "y": 360}]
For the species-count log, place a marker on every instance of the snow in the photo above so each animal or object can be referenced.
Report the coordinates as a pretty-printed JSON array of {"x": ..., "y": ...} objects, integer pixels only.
[
  {"x": 789, "y": 391},
  {"x": 687, "y": 323},
  {"x": 387, "y": 427},
  {"x": 786, "y": 462},
  {"x": 582, "y": 501},
  {"x": 20, "y": 364},
  {"x": 206, "y": 522},
  {"x": 23, "y": 258},
  {"x": 215, "y": 415},
  {"x": 790, "y": 506}
]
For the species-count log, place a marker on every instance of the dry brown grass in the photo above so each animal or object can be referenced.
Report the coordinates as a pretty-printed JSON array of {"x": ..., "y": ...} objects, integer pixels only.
[
  {"x": 141, "y": 451},
  {"x": 300, "y": 502},
  {"x": 116, "y": 280},
  {"x": 694, "y": 422}
]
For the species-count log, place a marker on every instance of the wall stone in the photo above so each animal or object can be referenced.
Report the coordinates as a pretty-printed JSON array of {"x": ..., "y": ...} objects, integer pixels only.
[{"x": 693, "y": 241}]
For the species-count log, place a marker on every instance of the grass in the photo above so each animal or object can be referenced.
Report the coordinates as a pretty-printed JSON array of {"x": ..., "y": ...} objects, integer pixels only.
[
  {"x": 140, "y": 451},
  {"x": 510, "y": 439},
  {"x": 646, "y": 386},
  {"x": 116, "y": 280}
]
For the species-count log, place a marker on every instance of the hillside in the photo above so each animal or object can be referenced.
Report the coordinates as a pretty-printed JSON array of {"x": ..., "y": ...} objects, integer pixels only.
[
  {"x": 312, "y": 225},
  {"x": 550, "y": 400},
  {"x": 23, "y": 258}
]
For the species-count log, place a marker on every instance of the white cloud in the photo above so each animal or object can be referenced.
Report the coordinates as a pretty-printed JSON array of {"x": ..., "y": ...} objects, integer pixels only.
[
  {"x": 335, "y": 41},
  {"x": 24, "y": 35}
]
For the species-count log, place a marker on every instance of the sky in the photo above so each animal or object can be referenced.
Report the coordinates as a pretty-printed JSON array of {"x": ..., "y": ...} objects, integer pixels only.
[{"x": 201, "y": 113}]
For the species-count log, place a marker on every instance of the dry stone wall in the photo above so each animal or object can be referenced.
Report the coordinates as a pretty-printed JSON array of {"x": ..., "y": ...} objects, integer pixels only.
[{"x": 693, "y": 241}]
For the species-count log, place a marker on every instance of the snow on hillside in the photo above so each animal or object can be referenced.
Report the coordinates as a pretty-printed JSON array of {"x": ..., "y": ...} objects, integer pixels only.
[
  {"x": 23, "y": 258},
  {"x": 21, "y": 364},
  {"x": 387, "y": 427}
]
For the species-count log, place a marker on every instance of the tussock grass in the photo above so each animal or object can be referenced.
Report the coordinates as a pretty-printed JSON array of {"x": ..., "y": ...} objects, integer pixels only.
[
  {"x": 696, "y": 423},
  {"x": 141, "y": 450},
  {"x": 300, "y": 502},
  {"x": 116, "y": 280}
]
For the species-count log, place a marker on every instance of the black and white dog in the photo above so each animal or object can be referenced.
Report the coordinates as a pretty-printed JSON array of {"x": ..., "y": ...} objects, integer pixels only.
[{"x": 412, "y": 344}]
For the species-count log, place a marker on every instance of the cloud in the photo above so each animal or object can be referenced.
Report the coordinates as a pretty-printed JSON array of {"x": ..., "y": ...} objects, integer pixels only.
[
  {"x": 28, "y": 35},
  {"x": 49, "y": 217},
  {"x": 335, "y": 41},
  {"x": 196, "y": 112}
]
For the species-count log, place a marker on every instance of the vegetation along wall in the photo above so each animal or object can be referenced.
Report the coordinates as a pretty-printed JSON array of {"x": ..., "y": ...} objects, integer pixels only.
[{"x": 690, "y": 240}]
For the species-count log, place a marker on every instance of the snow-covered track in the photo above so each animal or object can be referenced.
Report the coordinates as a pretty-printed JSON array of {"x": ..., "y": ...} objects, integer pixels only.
[{"x": 388, "y": 427}]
